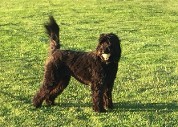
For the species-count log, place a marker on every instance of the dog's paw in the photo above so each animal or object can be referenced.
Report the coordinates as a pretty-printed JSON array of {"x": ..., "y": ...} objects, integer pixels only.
[
  {"x": 99, "y": 110},
  {"x": 37, "y": 101},
  {"x": 49, "y": 103},
  {"x": 37, "y": 104}
]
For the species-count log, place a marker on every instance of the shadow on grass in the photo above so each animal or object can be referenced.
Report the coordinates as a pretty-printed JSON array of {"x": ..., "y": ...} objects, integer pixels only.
[
  {"x": 130, "y": 106},
  {"x": 135, "y": 106},
  {"x": 74, "y": 104},
  {"x": 121, "y": 106},
  {"x": 16, "y": 97}
]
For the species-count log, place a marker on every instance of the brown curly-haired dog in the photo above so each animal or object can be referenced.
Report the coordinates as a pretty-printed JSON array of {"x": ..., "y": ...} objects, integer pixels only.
[{"x": 97, "y": 69}]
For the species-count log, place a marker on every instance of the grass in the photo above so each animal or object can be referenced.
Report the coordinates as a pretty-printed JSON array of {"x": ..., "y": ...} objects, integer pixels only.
[{"x": 145, "y": 91}]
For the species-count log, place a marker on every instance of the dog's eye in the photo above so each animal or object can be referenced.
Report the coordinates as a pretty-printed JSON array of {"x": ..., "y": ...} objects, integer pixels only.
[{"x": 107, "y": 50}]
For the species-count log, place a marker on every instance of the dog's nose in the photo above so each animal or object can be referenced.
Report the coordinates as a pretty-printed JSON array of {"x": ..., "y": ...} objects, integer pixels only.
[{"x": 106, "y": 56}]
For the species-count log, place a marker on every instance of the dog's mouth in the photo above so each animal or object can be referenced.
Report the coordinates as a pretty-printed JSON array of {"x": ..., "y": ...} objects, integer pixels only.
[{"x": 105, "y": 56}]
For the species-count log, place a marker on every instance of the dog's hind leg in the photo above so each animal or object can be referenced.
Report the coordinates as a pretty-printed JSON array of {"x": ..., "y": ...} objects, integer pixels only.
[
  {"x": 40, "y": 96},
  {"x": 47, "y": 86},
  {"x": 57, "y": 90}
]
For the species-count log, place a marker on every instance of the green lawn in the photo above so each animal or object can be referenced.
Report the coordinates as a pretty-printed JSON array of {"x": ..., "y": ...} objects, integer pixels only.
[{"x": 146, "y": 88}]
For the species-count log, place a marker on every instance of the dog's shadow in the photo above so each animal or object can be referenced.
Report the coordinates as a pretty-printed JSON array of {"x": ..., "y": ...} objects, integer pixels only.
[
  {"x": 131, "y": 106},
  {"x": 68, "y": 105},
  {"x": 137, "y": 106},
  {"x": 120, "y": 106}
]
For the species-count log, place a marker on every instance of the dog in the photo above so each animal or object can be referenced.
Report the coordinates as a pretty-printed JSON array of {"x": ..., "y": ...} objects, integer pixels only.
[{"x": 97, "y": 69}]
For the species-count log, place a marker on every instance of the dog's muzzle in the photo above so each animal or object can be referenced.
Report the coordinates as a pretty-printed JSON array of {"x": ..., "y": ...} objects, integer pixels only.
[{"x": 106, "y": 56}]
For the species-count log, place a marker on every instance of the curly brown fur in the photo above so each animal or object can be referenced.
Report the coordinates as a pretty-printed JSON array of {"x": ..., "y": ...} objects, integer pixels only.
[{"x": 97, "y": 69}]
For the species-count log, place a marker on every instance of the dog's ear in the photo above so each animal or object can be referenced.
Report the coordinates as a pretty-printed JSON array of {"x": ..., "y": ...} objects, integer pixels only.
[{"x": 103, "y": 38}]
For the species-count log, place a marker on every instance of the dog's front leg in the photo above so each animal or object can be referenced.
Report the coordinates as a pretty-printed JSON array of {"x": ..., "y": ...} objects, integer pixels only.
[
  {"x": 107, "y": 98},
  {"x": 97, "y": 98}
]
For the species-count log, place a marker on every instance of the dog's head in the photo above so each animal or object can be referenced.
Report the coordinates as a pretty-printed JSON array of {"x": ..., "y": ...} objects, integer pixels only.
[{"x": 109, "y": 49}]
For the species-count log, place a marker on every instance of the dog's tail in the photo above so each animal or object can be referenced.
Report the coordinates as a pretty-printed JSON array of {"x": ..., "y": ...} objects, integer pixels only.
[{"x": 52, "y": 29}]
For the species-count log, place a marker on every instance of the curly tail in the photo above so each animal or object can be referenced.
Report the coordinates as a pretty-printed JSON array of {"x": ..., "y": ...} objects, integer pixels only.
[{"x": 52, "y": 29}]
